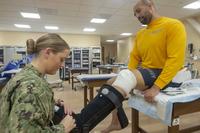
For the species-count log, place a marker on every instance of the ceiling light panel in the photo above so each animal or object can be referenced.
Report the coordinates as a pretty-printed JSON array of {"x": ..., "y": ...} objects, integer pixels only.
[
  {"x": 30, "y": 15},
  {"x": 22, "y": 26},
  {"x": 193, "y": 5},
  {"x": 51, "y": 27},
  {"x": 110, "y": 40},
  {"x": 89, "y": 29},
  {"x": 126, "y": 34},
  {"x": 98, "y": 20}
]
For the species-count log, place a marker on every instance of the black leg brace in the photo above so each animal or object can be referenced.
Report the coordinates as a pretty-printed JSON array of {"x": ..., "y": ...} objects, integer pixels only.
[{"x": 101, "y": 106}]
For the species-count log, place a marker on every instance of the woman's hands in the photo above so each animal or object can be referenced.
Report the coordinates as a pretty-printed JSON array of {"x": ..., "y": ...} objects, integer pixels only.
[
  {"x": 69, "y": 123},
  {"x": 67, "y": 108}
]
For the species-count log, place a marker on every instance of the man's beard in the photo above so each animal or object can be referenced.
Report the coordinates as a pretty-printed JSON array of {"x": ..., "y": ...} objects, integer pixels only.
[{"x": 146, "y": 19}]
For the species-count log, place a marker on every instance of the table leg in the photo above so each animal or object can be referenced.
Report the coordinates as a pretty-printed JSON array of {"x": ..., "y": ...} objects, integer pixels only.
[
  {"x": 91, "y": 93},
  {"x": 72, "y": 82},
  {"x": 85, "y": 96},
  {"x": 175, "y": 128},
  {"x": 135, "y": 120}
]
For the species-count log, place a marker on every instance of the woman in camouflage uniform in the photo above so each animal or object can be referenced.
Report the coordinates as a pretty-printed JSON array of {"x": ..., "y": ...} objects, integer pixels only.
[{"x": 26, "y": 102}]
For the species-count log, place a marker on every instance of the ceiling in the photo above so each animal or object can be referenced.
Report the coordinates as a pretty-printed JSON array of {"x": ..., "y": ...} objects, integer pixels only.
[{"x": 73, "y": 15}]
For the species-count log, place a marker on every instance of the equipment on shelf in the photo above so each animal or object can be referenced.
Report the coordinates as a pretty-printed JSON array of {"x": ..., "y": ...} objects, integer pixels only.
[{"x": 87, "y": 58}]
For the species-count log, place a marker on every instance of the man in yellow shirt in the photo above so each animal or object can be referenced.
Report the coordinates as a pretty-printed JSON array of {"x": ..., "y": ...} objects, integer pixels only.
[{"x": 158, "y": 53}]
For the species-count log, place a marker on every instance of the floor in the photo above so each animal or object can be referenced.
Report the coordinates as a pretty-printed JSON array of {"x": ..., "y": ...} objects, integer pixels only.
[{"x": 75, "y": 100}]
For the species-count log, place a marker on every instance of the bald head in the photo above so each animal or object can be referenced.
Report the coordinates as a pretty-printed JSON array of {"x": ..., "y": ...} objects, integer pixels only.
[
  {"x": 144, "y": 2},
  {"x": 147, "y": 2},
  {"x": 144, "y": 10}
]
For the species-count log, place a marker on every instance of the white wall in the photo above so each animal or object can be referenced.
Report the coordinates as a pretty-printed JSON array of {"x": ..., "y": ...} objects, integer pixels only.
[
  {"x": 19, "y": 38},
  {"x": 193, "y": 37},
  {"x": 124, "y": 47},
  {"x": 110, "y": 50}
]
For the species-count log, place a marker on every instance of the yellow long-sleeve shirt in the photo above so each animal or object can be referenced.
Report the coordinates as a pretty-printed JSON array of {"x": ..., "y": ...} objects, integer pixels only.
[{"x": 161, "y": 45}]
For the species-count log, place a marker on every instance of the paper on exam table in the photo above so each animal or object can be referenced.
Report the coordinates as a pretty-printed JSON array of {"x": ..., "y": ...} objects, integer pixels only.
[{"x": 162, "y": 109}]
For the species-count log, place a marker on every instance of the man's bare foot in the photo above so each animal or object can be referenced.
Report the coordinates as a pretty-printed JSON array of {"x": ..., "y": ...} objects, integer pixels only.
[
  {"x": 115, "y": 125},
  {"x": 111, "y": 128}
]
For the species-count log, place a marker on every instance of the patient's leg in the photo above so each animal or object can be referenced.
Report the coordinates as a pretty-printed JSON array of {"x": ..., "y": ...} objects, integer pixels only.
[
  {"x": 108, "y": 99},
  {"x": 115, "y": 124},
  {"x": 100, "y": 107}
]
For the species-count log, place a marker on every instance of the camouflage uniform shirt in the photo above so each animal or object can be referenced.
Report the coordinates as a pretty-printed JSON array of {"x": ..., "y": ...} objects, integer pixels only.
[{"x": 27, "y": 104}]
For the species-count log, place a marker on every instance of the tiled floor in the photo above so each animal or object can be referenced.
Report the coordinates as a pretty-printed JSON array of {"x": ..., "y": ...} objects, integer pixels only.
[{"x": 75, "y": 100}]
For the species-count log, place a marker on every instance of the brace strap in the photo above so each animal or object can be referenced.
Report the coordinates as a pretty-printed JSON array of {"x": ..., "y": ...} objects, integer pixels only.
[{"x": 111, "y": 96}]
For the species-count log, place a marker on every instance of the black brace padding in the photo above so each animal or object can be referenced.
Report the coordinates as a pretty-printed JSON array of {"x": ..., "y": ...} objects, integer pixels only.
[
  {"x": 98, "y": 109},
  {"x": 123, "y": 120}
]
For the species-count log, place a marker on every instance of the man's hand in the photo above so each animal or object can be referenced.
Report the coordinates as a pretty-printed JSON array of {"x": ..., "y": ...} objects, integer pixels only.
[{"x": 150, "y": 93}]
